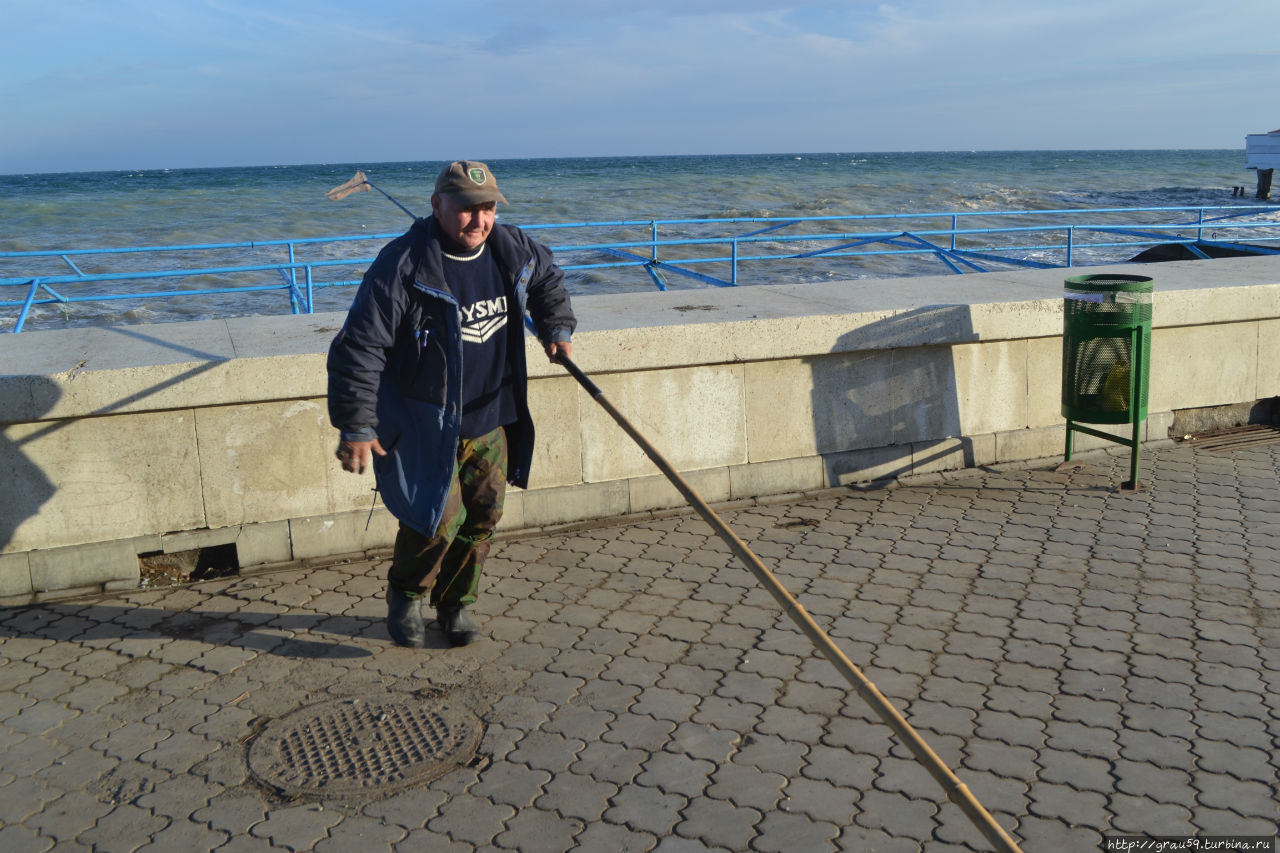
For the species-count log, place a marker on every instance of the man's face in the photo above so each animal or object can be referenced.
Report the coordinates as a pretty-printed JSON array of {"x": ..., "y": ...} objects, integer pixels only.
[{"x": 467, "y": 226}]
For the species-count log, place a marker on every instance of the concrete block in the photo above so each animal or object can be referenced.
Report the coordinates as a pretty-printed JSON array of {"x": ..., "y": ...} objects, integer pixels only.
[
  {"x": 777, "y": 477},
  {"x": 122, "y": 585},
  {"x": 280, "y": 357},
  {"x": 27, "y": 487},
  {"x": 15, "y": 575},
  {"x": 1039, "y": 443},
  {"x": 816, "y": 318},
  {"x": 264, "y": 543},
  {"x": 1224, "y": 291},
  {"x": 876, "y": 399},
  {"x": 190, "y": 540},
  {"x": 557, "y": 455},
  {"x": 567, "y": 504},
  {"x": 646, "y": 493},
  {"x": 85, "y": 565},
  {"x": 1044, "y": 383},
  {"x": 75, "y": 592},
  {"x": 1011, "y": 321},
  {"x": 780, "y": 402},
  {"x": 912, "y": 327},
  {"x": 116, "y": 369},
  {"x": 695, "y": 417},
  {"x": 512, "y": 510},
  {"x": 921, "y": 385},
  {"x": 342, "y": 533},
  {"x": 274, "y": 461},
  {"x": 1211, "y": 418},
  {"x": 703, "y": 327},
  {"x": 847, "y": 404},
  {"x": 1159, "y": 426},
  {"x": 99, "y": 479},
  {"x": 991, "y": 386},
  {"x": 255, "y": 543},
  {"x": 263, "y": 378},
  {"x": 1203, "y": 366},
  {"x": 139, "y": 368},
  {"x": 1268, "y": 359},
  {"x": 26, "y": 398},
  {"x": 268, "y": 336},
  {"x": 863, "y": 466},
  {"x": 952, "y": 454}
]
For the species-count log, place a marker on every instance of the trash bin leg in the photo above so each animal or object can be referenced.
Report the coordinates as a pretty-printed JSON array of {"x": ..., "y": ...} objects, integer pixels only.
[
  {"x": 1134, "y": 450},
  {"x": 1135, "y": 405},
  {"x": 1070, "y": 436}
]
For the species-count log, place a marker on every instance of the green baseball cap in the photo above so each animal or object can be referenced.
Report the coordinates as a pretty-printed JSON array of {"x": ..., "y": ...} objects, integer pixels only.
[{"x": 469, "y": 182}]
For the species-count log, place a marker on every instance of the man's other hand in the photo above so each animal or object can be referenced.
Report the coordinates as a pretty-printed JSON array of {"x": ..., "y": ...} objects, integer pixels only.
[{"x": 356, "y": 456}]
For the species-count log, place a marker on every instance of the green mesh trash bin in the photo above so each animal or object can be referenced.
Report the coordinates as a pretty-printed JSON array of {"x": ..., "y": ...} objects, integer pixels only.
[{"x": 1106, "y": 356}]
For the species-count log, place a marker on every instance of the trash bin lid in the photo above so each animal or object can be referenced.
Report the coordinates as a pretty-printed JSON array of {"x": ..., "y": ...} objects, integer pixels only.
[
  {"x": 1110, "y": 283},
  {"x": 1109, "y": 287}
]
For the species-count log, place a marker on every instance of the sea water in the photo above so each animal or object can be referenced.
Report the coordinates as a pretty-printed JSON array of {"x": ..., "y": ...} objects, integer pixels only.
[{"x": 197, "y": 206}]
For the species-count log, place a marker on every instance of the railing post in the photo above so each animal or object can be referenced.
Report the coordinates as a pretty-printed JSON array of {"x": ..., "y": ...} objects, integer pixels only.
[
  {"x": 26, "y": 305},
  {"x": 955, "y": 226},
  {"x": 293, "y": 282},
  {"x": 653, "y": 237},
  {"x": 1199, "y": 224},
  {"x": 1071, "y": 237},
  {"x": 733, "y": 272},
  {"x": 311, "y": 295}
]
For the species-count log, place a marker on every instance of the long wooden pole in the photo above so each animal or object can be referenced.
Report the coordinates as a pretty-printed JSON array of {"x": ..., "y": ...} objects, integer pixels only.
[{"x": 956, "y": 790}]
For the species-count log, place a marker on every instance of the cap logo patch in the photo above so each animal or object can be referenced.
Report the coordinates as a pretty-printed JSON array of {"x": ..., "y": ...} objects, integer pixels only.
[{"x": 477, "y": 175}]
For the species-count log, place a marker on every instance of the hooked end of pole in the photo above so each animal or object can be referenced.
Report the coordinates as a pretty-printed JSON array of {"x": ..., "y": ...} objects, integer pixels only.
[{"x": 357, "y": 184}]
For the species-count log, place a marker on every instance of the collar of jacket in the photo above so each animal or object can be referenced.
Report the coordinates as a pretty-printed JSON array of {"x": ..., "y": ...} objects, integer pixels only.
[{"x": 430, "y": 267}]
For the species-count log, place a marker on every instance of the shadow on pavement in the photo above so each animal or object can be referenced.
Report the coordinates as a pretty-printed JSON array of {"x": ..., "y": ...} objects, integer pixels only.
[{"x": 293, "y": 635}]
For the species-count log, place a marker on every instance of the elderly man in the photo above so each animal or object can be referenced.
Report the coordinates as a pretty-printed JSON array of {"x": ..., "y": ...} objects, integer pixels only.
[{"x": 427, "y": 384}]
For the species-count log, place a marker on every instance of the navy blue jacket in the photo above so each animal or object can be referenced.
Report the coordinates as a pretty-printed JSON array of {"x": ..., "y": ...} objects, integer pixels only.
[{"x": 395, "y": 368}]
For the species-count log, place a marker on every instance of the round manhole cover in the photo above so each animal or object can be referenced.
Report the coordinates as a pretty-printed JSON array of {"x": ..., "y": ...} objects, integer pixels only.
[{"x": 365, "y": 745}]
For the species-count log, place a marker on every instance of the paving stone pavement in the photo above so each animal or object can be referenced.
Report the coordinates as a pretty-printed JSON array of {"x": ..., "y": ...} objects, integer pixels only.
[{"x": 1088, "y": 661}]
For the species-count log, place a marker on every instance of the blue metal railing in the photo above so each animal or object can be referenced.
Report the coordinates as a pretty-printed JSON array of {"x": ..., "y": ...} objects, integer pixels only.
[{"x": 693, "y": 249}]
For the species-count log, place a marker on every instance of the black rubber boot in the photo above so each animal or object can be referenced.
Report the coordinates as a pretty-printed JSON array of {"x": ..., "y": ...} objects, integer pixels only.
[
  {"x": 456, "y": 624},
  {"x": 404, "y": 619}
]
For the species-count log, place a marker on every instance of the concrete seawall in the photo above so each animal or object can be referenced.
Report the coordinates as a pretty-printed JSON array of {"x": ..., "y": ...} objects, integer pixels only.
[{"x": 135, "y": 440}]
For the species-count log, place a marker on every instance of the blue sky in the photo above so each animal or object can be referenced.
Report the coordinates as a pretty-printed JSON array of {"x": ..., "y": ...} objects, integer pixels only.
[{"x": 144, "y": 84}]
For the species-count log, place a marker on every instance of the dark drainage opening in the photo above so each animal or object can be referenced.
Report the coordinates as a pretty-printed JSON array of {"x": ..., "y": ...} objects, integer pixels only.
[
  {"x": 1220, "y": 429},
  {"x": 198, "y": 564},
  {"x": 1234, "y": 438}
]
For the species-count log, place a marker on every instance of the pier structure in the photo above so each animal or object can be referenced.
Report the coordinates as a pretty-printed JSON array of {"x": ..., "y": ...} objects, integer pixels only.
[
  {"x": 1262, "y": 152},
  {"x": 209, "y": 440}
]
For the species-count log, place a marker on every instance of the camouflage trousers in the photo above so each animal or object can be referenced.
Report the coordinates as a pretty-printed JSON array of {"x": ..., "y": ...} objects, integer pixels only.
[{"x": 447, "y": 565}]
